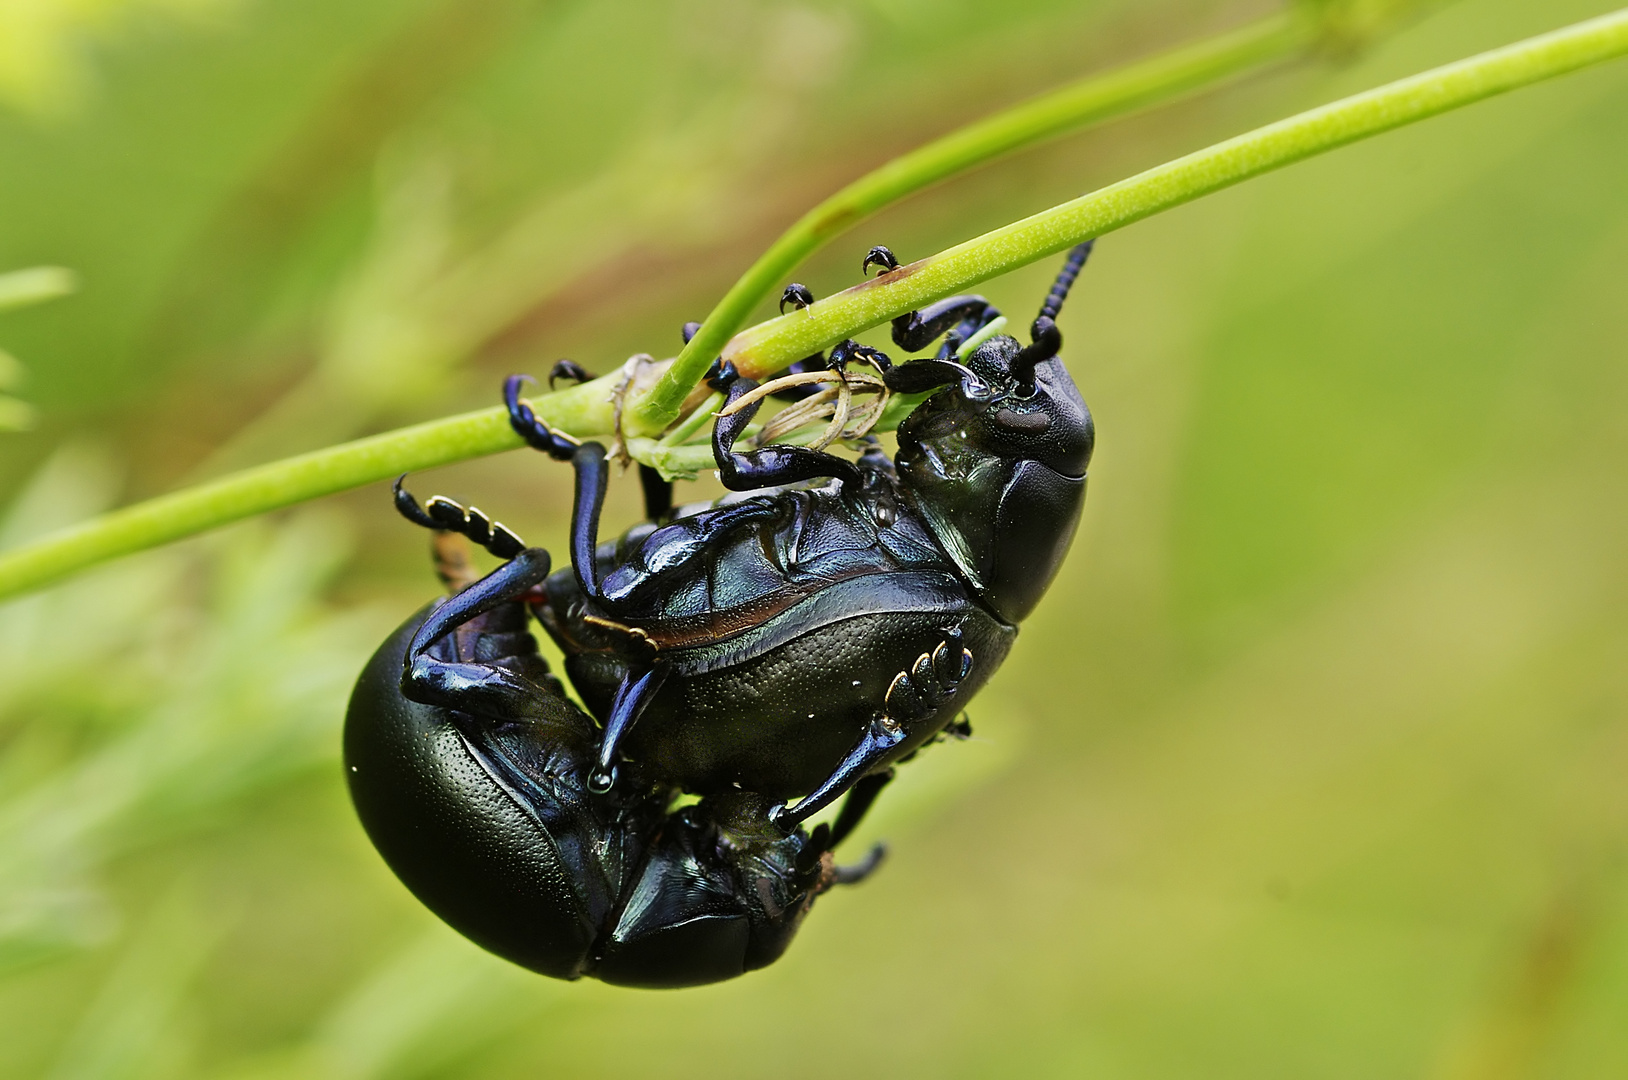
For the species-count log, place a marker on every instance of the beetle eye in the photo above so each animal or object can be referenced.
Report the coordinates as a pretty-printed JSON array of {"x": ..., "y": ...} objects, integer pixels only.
[{"x": 1030, "y": 423}]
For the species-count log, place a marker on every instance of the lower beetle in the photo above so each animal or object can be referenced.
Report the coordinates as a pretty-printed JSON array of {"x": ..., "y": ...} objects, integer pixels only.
[
  {"x": 473, "y": 790},
  {"x": 795, "y": 639}
]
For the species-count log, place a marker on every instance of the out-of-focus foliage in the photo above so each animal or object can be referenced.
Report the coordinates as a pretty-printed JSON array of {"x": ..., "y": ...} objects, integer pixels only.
[
  {"x": 25, "y": 288},
  {"x": 45, "y": 65},
  {"x": 1311, "y": 764}
]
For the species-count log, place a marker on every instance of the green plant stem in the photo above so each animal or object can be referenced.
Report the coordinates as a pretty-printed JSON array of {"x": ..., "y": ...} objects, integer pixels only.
[
  {"x": 260, "y": 490},
  {"x": 253, "y": 491},
  {"x": 772, "y": 345},
  {"x": 1089, "y": 101},
  {"x": 584, "y": 410}
]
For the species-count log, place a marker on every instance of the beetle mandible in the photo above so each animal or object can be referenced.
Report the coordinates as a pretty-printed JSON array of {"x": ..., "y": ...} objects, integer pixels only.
[{"x": 794, "y": 639}]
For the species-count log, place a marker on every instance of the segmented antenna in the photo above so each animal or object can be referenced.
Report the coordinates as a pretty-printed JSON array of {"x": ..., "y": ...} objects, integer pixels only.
[{"x": 1065, "y": 280}]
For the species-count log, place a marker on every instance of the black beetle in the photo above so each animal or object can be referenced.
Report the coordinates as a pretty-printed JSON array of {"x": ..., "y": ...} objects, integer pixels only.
[
  {"x": 475, "y": 798},
  {"x": 793, "y": 639}
]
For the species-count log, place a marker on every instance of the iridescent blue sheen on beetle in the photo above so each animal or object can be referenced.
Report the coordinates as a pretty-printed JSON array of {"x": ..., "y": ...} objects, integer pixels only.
[{"x": 794, "y": 640}]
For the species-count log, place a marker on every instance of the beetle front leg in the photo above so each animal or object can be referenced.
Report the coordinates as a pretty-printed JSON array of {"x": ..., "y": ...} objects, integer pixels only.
[
  {"x": 592, "y": 480},
  {"x": 914, "y": 695},
  {"x": 658, "y": 493},
  {"x": 959, "y": 316},
  {"x": 768, "y": 466}
]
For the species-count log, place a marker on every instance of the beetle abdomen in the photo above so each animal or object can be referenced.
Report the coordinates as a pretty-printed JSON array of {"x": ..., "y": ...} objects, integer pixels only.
[
  {"x": 778, "y": 720},
  {"x": 486, "y": 820},
  {"x": 454, "y": 837}
]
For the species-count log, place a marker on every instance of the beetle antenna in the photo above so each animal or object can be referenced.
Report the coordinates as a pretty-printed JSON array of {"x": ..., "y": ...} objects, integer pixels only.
[
  {"x": 1045, "y": 340},
  {"x": 1065, "y": 281}
]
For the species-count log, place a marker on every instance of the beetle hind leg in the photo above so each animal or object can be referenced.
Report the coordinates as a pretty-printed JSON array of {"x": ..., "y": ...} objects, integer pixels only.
[{"x": 914, "y": 695}]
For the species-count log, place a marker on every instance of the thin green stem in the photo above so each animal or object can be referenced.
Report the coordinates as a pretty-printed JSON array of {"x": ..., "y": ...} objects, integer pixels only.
[
  {"x": 1089, "y": 101},
  {"x": 772, "y": 345},
  {"x": 585, "y": 410},
  {"x": 274, "y": 486}
]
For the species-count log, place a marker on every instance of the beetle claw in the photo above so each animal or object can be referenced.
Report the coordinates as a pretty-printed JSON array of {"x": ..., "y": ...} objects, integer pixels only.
[
  {"x": 568, "y": 369},
  {"x": 797, "y": 295},
  {"x": 879, "y": 256}
]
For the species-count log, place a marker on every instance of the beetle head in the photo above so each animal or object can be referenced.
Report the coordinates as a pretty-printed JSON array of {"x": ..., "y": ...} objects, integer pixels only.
[{"x": 996, "y": 460}]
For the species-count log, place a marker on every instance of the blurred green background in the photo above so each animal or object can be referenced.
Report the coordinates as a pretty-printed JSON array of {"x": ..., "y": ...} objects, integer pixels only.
[{"x": 1314, "y": 762}]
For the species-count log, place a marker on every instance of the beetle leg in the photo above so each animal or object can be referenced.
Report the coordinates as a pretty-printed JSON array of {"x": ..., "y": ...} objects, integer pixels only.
[
  {"x": 914, "y": 695},
  {"x": 864, "y": 868},
  {"x": 846, "y": 352},
  {"x": 592, "y": 474},
  {"x": 961, "y": 315},
  {"x": 858, "y": 803},
  {"x": 473, "y": 686},
  {"x": 533, "y": 428},
  {"x": 593, "y": 478},
  {"x": 797, "y": 295},
  {"x": 879, "y": 740},
  {"x": 768, "y": 466},
  {"x": 658, "y": 493},
  {"x": 444, "y": 515},
  {"x": 879, "y": 256},
  {"x": 568, "y": 369},
  {"x": 921, "y": 375},
  {"x": 636, "y": 692}
]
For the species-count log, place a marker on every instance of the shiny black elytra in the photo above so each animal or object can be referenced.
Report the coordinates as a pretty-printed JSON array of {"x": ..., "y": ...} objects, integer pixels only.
[{"x": 794, "y": 639}]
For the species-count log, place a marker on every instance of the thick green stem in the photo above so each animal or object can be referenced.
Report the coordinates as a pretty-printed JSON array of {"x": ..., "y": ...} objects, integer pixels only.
[
  {"x": 772, "y": 345},
  {"x": 585, "y": 410},
  {"x": 1089, "y": 101}
]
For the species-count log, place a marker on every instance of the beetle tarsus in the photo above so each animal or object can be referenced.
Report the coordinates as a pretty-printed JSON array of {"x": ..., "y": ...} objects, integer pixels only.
[
  {"x": 721, "y": 375},
  {"x": 568, "y": 369},
  {"x": 846, "y": 352},
  {"x": 533, "y": 428},
  {"x": 444, "y": 515}
]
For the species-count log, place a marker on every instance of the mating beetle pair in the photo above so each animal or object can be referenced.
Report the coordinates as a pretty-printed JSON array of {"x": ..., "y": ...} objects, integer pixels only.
[{"x": 793, "y": 640}]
